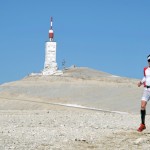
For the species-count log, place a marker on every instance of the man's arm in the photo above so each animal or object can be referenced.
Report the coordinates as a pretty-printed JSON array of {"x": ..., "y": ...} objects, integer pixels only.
[{"x": 141, "y": 82}]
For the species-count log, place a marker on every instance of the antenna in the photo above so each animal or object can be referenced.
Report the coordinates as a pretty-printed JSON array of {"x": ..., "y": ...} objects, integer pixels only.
[{"x": 51, "y": 33}]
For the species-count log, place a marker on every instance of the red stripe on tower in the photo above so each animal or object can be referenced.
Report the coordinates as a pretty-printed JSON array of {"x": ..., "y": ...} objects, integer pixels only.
[{"x": 51, "y": 33}]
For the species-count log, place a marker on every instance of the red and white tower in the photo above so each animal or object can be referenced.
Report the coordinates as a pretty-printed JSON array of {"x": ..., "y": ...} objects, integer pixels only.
[
  {"x": 51, "y": 33},
  {"x": 50, "y": 65}
]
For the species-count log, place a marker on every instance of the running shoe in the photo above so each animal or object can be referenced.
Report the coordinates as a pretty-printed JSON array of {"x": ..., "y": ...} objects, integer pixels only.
[{"x": 141, "y": 128}]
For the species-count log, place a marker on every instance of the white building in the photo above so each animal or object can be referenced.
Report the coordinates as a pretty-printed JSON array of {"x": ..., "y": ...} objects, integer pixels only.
[{"x": 50, "y": 65}]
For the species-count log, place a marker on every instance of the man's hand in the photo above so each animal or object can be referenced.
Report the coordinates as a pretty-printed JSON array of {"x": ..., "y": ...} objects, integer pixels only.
[{"x": 139, "y": 84}]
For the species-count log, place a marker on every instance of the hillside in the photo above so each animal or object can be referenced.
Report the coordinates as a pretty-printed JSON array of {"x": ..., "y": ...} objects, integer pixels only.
[{"x": 77, "y": 86}]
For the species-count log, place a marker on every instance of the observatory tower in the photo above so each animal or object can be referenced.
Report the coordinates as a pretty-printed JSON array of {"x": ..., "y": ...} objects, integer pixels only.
[{"x": 50, "y": 65}]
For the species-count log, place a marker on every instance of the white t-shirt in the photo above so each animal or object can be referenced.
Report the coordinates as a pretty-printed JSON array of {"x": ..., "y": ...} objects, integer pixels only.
[{"x": 146, "y": 78}]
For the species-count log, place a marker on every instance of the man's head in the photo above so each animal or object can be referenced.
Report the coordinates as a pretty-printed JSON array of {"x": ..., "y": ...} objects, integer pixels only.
[{"x": 148, "y": 59}]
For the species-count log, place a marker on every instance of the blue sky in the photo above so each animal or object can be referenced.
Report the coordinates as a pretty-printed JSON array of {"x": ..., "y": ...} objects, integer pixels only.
[{"x": 107, "y": 35}]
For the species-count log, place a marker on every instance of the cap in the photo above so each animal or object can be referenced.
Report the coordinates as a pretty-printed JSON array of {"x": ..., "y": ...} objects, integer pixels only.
[{"x": 148, "y": 57}]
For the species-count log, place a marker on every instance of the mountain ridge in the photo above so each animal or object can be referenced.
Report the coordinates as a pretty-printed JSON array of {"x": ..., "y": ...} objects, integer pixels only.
[{"x": 77, "y": 86}]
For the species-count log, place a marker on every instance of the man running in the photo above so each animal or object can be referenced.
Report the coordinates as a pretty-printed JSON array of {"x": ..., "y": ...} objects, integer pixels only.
[{"x": 146, "y": 94}]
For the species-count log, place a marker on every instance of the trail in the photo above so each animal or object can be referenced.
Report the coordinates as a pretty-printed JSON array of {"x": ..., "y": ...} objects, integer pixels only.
[{"x": 66, "y": 105}]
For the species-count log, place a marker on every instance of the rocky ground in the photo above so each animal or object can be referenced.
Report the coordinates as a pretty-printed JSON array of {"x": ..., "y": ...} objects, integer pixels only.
[
  {"x": 33, "y": 115},
  {"x": 63, "y": 128}
]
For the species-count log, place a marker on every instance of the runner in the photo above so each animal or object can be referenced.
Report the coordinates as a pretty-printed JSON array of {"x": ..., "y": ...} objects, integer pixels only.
[{"x": 146, "y": 94}]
